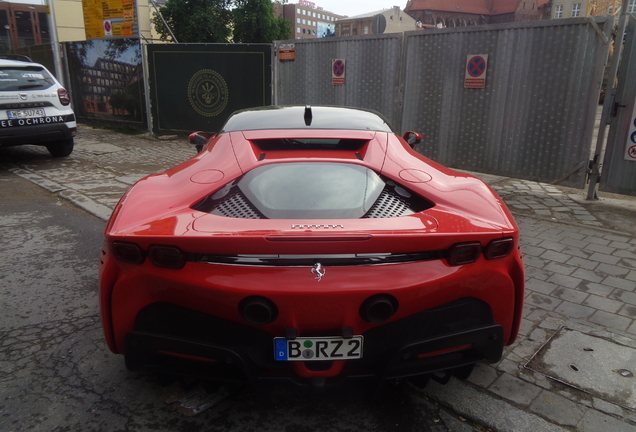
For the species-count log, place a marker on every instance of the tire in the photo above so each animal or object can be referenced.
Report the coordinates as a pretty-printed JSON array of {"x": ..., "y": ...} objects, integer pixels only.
[{"x": 61, "y": 148}]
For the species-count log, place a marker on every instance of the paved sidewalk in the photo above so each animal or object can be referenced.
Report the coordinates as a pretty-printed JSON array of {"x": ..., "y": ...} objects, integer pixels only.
[{"x": 580, "y": 262}]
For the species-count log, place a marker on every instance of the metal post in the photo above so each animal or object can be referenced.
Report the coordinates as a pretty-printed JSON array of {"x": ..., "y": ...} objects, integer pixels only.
[
  {"x": 164, "y": 21},
  {"x": 610, "y": 94},
  {"x": 144, "y": 69},
  {"x": 56, "y": 46}
]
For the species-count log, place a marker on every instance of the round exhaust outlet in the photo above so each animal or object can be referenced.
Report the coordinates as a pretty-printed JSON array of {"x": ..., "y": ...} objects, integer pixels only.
[
  {"x": 258, "y": 310},
  {"x": 378, "y": 308}
]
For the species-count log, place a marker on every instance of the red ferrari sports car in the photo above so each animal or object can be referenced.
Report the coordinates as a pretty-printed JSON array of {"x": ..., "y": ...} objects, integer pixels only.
[{"x": 310, "y": 244}]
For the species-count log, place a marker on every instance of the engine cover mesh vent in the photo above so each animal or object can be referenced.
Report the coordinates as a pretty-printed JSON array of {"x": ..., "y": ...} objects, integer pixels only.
[
  {"x": 236, "y": 206},
  {"x": 388, "y": 205}
]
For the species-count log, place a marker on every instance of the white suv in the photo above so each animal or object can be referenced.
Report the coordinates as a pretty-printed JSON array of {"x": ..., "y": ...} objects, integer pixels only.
[{"x": 34, "y": 107}]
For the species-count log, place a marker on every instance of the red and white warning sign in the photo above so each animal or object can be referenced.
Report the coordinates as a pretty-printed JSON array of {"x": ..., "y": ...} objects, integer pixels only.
[
  {"x": 337, "y": 72},
  {"x": 476, "y": 65},
  {"x": 630, "y": 148}
]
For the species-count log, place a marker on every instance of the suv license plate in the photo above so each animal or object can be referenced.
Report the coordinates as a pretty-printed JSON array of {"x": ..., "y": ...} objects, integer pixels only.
[
  {"x": 318, "y": 348},
  {"x": 27, "y": 113}
]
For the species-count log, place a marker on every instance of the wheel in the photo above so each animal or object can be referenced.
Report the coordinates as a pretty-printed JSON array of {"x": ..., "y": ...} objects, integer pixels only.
[{"x": 61, "y": 148}]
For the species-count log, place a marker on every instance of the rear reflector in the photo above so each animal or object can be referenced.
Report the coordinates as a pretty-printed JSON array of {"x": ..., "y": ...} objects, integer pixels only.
[
  {"x": 464, "y": 253},
  {"x": 444, "y": 351},
  {"x": 187, "y": 356}
]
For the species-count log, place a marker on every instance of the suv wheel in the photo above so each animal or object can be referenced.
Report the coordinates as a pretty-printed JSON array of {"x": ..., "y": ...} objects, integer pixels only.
[{"x": 61, "y": 148}]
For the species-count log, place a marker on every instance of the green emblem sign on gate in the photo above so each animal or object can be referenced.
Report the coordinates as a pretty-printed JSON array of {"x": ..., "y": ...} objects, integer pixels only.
[{"x": 197, "y": 86}]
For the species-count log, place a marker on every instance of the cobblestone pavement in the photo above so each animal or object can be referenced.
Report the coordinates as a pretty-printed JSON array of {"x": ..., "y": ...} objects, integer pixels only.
[{"x": 580, "y": 273}]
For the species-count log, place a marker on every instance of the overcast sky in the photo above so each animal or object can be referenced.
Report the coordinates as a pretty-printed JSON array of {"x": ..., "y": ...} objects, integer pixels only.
[
  {"x": 340, "y": 7},
  {"x": 355, "y": 7}
]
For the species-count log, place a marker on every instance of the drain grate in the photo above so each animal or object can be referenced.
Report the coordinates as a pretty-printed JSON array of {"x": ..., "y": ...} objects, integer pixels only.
[{"x": 597, "y": 366}]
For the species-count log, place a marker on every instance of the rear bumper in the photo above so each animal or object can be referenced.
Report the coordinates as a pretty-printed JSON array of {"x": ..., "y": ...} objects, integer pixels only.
[
  {"x": 173, "y": 339},
  {"x": 38, "y": 134}
]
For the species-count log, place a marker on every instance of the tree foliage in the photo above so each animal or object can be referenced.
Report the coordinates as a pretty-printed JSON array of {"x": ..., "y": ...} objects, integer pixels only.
[
  {"x": 220, "y": 21},
  {"x": 194, "y": 21},
  {"x": 254, "y": 22}
]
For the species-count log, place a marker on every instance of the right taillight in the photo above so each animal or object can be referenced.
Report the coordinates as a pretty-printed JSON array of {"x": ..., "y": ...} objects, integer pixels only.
[
  {"x": 463, "y": 253},
  {"x": 499, "y": 248},
  {"x": 64, "y": 97}
]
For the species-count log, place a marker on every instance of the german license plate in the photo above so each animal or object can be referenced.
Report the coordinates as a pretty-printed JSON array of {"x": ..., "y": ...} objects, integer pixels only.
[
  {"x": 318, "y": 348},
  {"x": 27, "y": 113}
]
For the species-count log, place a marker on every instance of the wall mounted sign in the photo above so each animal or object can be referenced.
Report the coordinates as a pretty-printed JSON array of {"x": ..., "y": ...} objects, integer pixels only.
[
  {"x": 475, "y": 75},
  {"x": 337, "y": 72}
]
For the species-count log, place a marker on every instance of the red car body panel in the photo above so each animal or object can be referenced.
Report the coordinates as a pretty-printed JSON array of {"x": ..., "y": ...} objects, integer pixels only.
[{"x": 158, "y": 210}]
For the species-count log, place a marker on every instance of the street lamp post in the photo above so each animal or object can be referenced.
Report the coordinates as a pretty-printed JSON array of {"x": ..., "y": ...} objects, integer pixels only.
[{"x": 56, "y": 46}]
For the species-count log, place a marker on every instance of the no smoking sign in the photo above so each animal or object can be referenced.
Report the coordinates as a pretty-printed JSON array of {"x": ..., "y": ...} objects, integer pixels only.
[{"x": 475, "y": 73}]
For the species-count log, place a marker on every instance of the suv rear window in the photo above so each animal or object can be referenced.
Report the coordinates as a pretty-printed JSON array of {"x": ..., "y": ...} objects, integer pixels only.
[{"x": 24, "y": 78}]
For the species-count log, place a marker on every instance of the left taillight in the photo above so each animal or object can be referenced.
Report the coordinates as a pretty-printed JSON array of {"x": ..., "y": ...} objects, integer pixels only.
[
  {"x": 128, "y": 252},
  {"x": 64, "y": 97},
  {"x": 166, "y": 256},
  {"x": 159, "y": 255}
]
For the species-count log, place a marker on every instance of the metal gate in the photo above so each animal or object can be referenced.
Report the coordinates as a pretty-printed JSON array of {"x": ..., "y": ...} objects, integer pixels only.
[
  {"x": 619, "y": 167},
  {"x": 534, "y": 119}
]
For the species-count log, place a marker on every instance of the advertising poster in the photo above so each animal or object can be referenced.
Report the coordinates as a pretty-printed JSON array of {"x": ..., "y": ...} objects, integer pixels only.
[
  {"x": 325, "y": 30},
  {"x": 110, "y": 19},
  {"x": 107, "y": 81}
]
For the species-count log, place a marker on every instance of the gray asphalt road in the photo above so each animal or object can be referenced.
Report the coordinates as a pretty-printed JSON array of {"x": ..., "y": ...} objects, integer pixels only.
[{"x": 56, "y": 373}]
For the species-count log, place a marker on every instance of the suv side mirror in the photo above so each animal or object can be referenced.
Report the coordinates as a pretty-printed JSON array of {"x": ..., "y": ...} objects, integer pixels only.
[
  {"x": 199, "y": 139},
  {"x": 412, "y": 138}
]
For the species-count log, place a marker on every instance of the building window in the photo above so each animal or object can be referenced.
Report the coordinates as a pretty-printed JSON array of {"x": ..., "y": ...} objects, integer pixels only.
[
  {"x": 631, "y": 7},
  {"x": 366, "y": 29},
  {"x": 298, "y": 10},
  {"x": 576, "y": 9},
  {"x": 558, "y": 11},
  {"x": 297, "y": 20},
  {"x": 304, "y": 12},
  {"x": 304, "y": 21},
  {"x": 297, "y": 29}
]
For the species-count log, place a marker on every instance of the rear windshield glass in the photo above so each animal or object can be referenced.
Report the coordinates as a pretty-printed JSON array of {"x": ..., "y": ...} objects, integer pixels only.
[
  {"x": 309, "y": 144},
  {"x": 312, "y": 190},
  {"x": 24, "y": 78}
]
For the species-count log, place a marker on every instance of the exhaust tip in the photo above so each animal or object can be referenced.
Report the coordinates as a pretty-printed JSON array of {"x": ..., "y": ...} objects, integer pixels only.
[
  {"x": 378, "y": 308},
  {"x": 258, "y": 310}
]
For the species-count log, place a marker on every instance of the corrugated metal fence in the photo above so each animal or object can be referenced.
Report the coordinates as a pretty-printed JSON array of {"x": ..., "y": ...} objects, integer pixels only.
[
  {"x": 619, "y": 170},
  {"x": 533, "y": 120},
  {"x": 372, "y": 73}
]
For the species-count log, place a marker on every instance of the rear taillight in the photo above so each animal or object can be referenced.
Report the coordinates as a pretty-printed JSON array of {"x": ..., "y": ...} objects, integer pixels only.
[
  {"x": 166, "y": 256},
  {"x": 463, "y": 253},
  {"x": 499, "y": 248},
  {"x": 64, "y": 97},
  {"x": 128, "y": 252}
]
